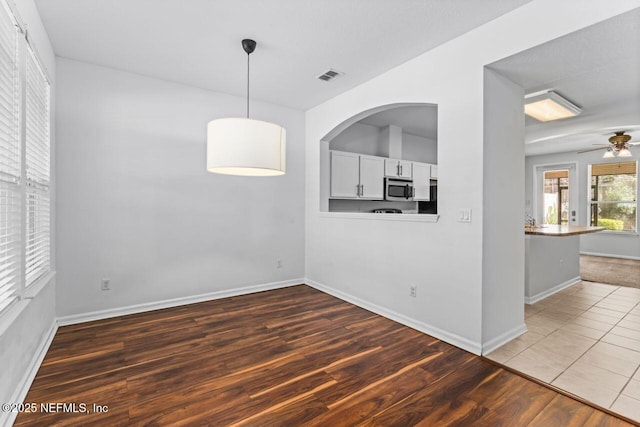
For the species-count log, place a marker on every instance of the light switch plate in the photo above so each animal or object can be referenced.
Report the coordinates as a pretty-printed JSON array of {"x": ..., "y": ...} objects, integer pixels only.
[{"x": 464, "y": 215}]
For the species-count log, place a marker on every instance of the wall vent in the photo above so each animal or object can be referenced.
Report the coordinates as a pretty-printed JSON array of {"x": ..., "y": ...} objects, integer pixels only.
[{"x": 330, "y": 75}]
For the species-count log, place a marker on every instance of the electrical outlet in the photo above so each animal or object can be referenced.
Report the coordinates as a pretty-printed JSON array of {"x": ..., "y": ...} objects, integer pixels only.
[
  {"x": 106, "y": 285},
  {"x": 413, "y": 291},
  {"x": 278, "y": 263}
]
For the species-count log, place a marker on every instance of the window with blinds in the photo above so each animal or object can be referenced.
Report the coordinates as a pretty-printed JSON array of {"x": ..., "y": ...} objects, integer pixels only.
[
  {"x": 37, "y": 171},
  {"x": 10, "y": 162},
  {"x": 24, "y": 163}
]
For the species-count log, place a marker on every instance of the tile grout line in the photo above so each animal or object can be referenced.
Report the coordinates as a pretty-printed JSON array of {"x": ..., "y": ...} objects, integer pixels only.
[
  {"x": 625, "y": 386},
  {"x": 565, "y": 323},
  {"x": 601, "y": 299},
  {"x": 599, "y": 340},
  {"x": 575, "y": 317},
  {"x": 557, "y": 329}
]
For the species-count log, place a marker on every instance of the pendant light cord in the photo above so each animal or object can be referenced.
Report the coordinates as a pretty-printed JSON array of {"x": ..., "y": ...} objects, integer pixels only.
[{"x": 248, "y": 54}]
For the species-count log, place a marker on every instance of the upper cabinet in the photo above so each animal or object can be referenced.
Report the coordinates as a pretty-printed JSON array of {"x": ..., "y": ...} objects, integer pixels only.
[
  {"x": 371, "y": 178},
  {"x": 356, "y": 176},
  {"x": 345, "y": 174},
  {"x": 422, "y": 181},
  {"x": 394, "y": 168}
]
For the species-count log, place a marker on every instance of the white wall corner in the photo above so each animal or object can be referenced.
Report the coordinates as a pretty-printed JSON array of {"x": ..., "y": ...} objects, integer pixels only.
[
  {"x": 174, "y": 302},
  {"x": 542, "y": 295},
  {"x": 448, "y": 337},
  {"x": 502, "y": 339}
]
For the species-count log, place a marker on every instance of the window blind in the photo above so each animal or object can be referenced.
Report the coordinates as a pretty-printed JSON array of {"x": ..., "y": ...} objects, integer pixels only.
[
  {"x": 37, "y": 148},
  {"x": 10, "y": 161},
  {"x": 617, "y": 168},
  {"x": 556, "y": 174}
]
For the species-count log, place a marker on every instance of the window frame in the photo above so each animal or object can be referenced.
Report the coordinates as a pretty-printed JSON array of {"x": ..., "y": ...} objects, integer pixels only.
[
  {"x": 591, "y": 203},
  {"x": 15, "y": 181}
]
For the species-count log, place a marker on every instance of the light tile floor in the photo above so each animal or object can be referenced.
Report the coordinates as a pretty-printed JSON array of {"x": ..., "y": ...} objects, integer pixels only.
[{"x": 585, "y": 340}]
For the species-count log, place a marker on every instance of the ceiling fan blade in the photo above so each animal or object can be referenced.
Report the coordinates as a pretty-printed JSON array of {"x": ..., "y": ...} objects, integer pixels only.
[
  {"x": 634, "y": 143},
  {"x": 593, "y": 149}
]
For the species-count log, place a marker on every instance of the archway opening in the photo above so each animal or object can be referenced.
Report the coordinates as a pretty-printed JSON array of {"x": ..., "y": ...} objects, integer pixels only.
[{"x": 383, "y": 160}]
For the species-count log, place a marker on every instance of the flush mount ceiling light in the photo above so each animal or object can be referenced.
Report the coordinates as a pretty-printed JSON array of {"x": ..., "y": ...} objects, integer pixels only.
[
  {"x": 547, "y": 105},
  {"x": 244, "y": 146}
]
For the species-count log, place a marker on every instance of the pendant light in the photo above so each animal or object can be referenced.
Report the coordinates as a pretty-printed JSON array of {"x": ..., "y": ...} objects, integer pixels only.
[{"x": 244, "y": 146}]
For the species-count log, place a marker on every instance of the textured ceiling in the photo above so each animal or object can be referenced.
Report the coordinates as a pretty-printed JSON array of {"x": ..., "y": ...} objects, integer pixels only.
[
  {"x": 197, "y": 42},
  {"x": 597, "y": 68}
]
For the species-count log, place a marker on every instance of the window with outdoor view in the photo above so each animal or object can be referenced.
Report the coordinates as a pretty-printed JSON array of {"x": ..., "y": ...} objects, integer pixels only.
[
  {"x": 613, "y": 196},
  {"x": 556, "y": 197}
]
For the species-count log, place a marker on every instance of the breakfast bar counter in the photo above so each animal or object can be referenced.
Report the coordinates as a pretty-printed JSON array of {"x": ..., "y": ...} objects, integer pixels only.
[
  {"x": 560, "y": 230},
  {"x": 552, "y": 259}
]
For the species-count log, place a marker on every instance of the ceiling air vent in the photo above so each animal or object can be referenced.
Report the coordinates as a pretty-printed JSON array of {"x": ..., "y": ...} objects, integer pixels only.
[{"x": 330, "y": 75}]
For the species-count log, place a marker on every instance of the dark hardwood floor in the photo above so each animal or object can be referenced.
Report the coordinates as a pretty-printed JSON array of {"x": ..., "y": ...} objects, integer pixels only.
[{"x": 293, "y": 356}]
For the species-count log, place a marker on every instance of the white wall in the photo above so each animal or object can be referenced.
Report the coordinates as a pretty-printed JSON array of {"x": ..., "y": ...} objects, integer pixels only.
[
  {"x": 362, "y": 139},
  {"x": 27, "y": 325},
  {"x": 611, "y": 244},
  {"x": 373, "y": 262},
  {"x": 419, "y": 149},
  {"x": 136, "y": 204},
  {"x": 367, "y": 139}
]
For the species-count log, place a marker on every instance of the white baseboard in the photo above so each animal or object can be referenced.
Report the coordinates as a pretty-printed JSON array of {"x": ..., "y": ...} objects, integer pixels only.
[
  {"x": 636, "y": 258},
  {"x": 542, "y": 295},
  {"x": 504, "y": 338},
  {"x": 7, "y": 418},
  {"x": 156, "y": 305},
  {"x": 457, "y": 340}
]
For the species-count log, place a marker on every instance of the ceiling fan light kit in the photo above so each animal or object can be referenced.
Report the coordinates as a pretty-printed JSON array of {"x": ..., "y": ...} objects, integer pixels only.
[
  {"x": 619, "y": 145},
  {"x": 548, "y": 105},
  {"x": 244, "y": 146}
]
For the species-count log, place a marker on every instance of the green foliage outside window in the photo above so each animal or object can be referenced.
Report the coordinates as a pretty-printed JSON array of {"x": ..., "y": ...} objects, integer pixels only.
[{"x": 611, "y": 224}]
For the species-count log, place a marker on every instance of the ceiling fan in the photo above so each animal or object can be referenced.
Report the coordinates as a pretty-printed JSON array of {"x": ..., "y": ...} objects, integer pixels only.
[{"x": 618, "y": 146}]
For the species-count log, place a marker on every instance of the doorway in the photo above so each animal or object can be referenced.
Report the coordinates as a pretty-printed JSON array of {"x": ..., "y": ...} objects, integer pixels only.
[
  {"x": 555, "y": 194},
  {"x": 555, "y": 191}
]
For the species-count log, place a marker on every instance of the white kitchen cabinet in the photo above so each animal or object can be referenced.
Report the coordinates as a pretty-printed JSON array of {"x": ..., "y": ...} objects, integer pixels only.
[
  {"x": 345, "y": 174},
  {"x": 406, "y": 169},
  {"x": 421, "y": 181},
  {"x": 371, "y": 177},
  {"x": 395, "y": 168},
  {"x": 434, "y": 171},
  {"x": 356, "y": 176}
]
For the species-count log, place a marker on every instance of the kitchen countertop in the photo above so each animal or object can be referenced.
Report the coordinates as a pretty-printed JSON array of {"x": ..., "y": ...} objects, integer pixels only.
[{"x": 560, "y": 230}]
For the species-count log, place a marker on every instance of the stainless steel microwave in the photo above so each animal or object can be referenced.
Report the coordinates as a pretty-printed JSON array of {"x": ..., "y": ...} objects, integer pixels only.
[{"x": 398, "y": 189}]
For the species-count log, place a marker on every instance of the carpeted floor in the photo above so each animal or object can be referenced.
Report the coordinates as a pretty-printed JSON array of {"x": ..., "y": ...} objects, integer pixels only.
[{"x": 614, "y": 271}]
